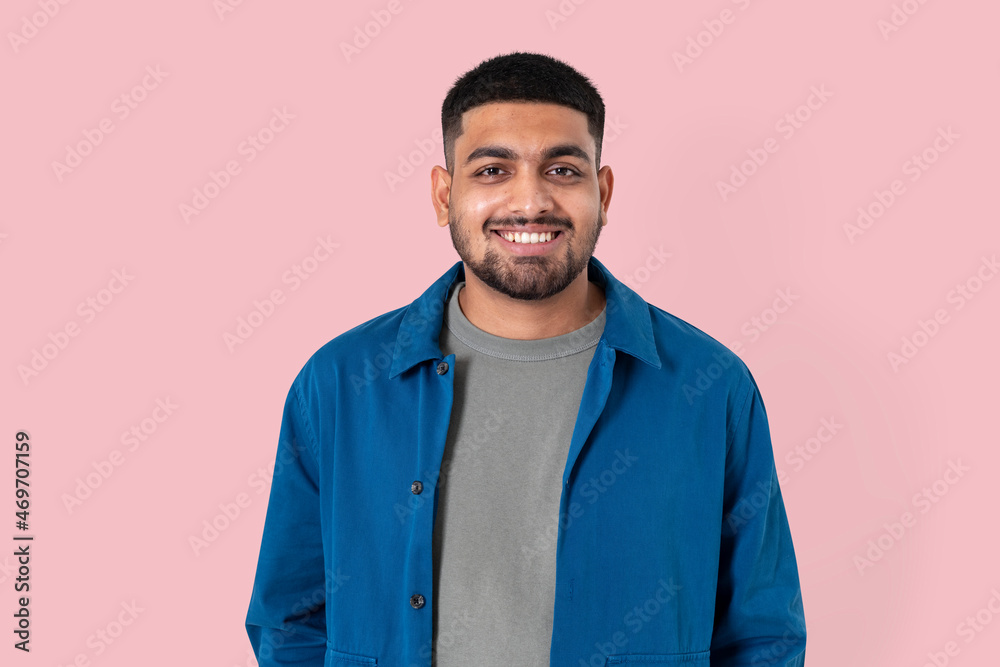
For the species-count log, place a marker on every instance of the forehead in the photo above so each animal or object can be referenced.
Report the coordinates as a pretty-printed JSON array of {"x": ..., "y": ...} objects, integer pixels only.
[{"x": 531, "y": 122}]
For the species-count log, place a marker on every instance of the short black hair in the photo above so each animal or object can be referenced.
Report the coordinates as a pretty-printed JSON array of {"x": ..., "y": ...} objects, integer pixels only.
[{"x": 520, "y": 77}]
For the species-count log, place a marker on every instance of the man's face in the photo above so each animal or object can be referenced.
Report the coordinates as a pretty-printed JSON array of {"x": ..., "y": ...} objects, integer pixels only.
[{"x": 524, "y": 167}]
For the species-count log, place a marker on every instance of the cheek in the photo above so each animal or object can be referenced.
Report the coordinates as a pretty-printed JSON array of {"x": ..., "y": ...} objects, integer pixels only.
[
  {"x": 582, "y": 211},
  {"x": 480, "y": 206},
  {"x": 584, "y": 201}
]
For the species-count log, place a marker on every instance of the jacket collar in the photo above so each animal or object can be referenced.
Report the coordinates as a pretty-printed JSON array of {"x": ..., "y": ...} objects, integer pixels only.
[{"x": 628, "y": 326}]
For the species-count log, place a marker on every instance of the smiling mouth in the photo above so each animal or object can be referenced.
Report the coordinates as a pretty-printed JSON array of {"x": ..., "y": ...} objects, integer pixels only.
[{"x": 526, "y": 237}]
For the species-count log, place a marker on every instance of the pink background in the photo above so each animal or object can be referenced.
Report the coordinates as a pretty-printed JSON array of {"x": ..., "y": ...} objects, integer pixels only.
[{"x": 673, "y": 133}]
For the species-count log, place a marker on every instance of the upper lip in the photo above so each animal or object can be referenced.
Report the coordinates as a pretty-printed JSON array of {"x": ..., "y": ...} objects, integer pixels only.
[{"x": 531, "y": 229}]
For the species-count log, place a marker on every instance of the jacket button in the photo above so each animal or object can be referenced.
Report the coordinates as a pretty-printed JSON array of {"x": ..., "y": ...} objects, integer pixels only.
[
  {"x": 442, "y": 367},
  {"x": 417, "y": 601},
  {"x": 416, "y": 487}
]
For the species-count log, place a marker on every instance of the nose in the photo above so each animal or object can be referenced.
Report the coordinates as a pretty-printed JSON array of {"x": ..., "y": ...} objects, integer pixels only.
[{"x": 529, "y": 195}]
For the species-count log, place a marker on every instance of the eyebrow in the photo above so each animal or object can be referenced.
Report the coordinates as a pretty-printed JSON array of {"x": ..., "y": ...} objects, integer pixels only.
[{"x": 504, "y": 153}]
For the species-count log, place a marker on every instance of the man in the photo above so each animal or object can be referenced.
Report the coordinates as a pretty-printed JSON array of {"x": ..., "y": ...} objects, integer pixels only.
[{"x": 528, "y": 464}]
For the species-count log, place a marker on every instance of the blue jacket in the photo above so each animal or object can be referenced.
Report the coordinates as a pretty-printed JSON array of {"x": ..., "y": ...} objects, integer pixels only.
[{"x": 673, "y": 543}]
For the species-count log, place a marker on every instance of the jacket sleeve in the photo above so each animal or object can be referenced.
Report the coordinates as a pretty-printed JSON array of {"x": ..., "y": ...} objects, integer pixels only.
[
  {"x": 286, "y": 620},
  {"x": 759, "y": 618}
]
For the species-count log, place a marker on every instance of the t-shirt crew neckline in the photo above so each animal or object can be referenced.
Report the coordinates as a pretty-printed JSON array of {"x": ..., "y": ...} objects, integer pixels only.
[{"x": 512, "y": 349}]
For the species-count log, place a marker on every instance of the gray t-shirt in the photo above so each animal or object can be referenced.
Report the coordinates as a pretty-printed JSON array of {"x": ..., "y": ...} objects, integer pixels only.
[{"x": 515, "y": 406}]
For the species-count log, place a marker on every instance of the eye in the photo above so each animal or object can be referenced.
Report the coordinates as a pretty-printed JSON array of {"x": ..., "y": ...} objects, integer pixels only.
[
  {"x": 487, "y": 169},
  {"x": 571, "y": 171}
]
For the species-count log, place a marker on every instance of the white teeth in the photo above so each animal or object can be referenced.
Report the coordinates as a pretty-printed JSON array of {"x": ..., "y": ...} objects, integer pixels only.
[{"x": 525, "y": 237}]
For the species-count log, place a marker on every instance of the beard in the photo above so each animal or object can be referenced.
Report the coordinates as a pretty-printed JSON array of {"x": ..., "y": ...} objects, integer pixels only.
[{"x": 528, "y": 278}]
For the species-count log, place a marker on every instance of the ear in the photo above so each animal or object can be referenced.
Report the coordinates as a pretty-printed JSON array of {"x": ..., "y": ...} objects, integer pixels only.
[
  {"x": 606, "y": 183},
  {"x": 441, "y": 193}
]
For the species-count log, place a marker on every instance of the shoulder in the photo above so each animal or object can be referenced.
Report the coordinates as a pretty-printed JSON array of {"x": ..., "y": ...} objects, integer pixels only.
[
  {"x": 699, "y": 357},
  {"x": 370, "y": 343}
]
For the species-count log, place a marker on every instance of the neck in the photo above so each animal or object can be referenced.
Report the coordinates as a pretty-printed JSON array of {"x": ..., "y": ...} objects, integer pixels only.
[{"x": 498, "y": 314}]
